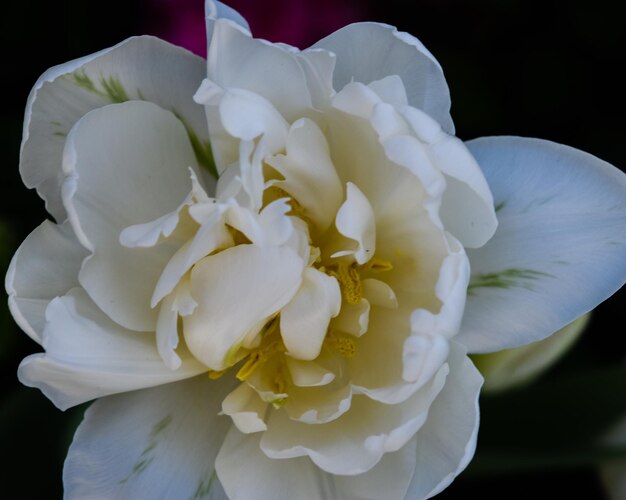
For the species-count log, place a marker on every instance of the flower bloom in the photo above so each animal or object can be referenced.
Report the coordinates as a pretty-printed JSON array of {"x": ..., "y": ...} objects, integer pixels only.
[{"x": 275, "y": 246}]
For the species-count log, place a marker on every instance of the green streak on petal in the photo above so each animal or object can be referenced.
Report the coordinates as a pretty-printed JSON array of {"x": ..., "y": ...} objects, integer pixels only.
[
  {"x": 147, "y": 455},
  {"x": 59, "y": 134},
  {"x": 110, "y": 87},
  {"x": 508, "y": 278},
  {"x": 202, "y": 149},
  {"x": 114, "y": 89},
  {"x": 499, "y": 206},
  {"x": 204, "y": 487}
]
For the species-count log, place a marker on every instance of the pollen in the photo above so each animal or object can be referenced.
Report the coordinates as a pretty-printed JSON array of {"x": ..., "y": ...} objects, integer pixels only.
[
  {"x": 343, "y": 344},
  {"x": 349, "y": 282}
]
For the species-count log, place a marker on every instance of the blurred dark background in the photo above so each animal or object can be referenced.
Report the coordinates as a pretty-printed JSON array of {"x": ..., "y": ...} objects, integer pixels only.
[{"x": 542, "y": 69}]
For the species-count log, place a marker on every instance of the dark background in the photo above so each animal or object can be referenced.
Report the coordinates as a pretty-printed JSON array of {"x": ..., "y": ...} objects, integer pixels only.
[{"x": 514, "y": 67}]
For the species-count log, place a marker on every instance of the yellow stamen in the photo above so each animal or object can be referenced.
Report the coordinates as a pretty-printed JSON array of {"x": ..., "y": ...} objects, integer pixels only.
[
  {"x": 344, "y": 345},
  {"x": 378, "y": 265},
  {"x": 215, "y": 374},
  {"x": 349, "y": 281},
  {"x": 249, "y": 367}
]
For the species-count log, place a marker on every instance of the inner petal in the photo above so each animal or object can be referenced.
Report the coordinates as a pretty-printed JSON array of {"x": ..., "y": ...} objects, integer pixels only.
[{"x": 236, "y": 290}]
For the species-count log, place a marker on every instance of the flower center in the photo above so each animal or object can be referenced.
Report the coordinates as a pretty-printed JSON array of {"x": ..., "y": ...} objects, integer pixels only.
[{"x": 265, "y": 365}]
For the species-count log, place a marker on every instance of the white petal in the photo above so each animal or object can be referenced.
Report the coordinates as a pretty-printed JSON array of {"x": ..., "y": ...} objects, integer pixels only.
[
  {"x": 390, "y": 52},
  {"x": 304, "y": 321},
  {"x": 246, "y": 409},
  {"x": 45, "y": 266},
  {"x": 391, "y": 361},
  {"x": 356, "y": 441},
  {"x": 299, "y": 479},
  {"x": 236, "y": 290},
  {"x": 154, "y": 443},
  {"x": 308, "y": 373},
  {"x": 391, "y": 90},
  {"x": 560, "y": 248},
  {"x": 353, "y": 318},
  {"x": 143, "y": 68},
  {"x": 451, "y": 290},
  {"x": 379, "y": 293},
  {"x": 237, "y": 114},
  {"x": 177, "y": 302},
  {"x": 446, "y": 443},
  {"x": 209, "y": 237},
  {"x": 217, "y": 10},
  {"x": 309, "y": 173},
  {"x": 321, "y": 404},
  {"x": 237, "y": 61},
  {"x": 355, "y": 220},
  {"x": 124, "y": 163},
  {"x": 318, "y": 66},
  {"x": 467, "y": 206},
  {"x": 88, "y": 356}
]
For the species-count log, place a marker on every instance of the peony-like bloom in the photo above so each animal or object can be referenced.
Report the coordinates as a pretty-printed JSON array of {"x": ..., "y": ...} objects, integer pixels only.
[{"x": 275, "y": 246}]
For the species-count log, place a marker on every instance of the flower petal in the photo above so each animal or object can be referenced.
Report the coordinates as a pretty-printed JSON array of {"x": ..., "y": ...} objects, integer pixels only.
[
  {"x": 246, "y": 409},
  {"x": 142, "y": 68},
  {"x": 214, "y": 10},
  {"x": 300, "y": 479},
  {"x": 309, "y": 174},
  {"x": 560, "y": 247},
  {"x": 304, "y": 321},
  {"x": 237, "y": 61},
  {"x": 236, "y": 290},
  {"x": 446, "y": 442},
  {"x": 355, "y": 442},
  {"x": 355, "y": 220},
  {"x": 88, "y": 356},
  {"x": 120, "y": 172},
  {"x": 390, "y": 52},
  {"x": 155, "y": 443},
  {"x": 45, "y": 266},
  {"x": 467, "y": 206}
]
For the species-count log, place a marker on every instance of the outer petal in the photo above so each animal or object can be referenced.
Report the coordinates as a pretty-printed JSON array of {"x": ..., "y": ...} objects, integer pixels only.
[
  {"x": 156, "y": 443},
  {"x": 299, "y": 479},
  {"x": 88, "y": 356},
  {"x": 446, "y": 443},
  {"x": 390, "y": 52},
  {"x": 237, "y": 290},
  {"x": 143, "y": 68},
  {"x": 214, "y": 10},
  {"x": 125, "y": 164},
  {"x": 44, "y": 267},
  {"x": 560, "y": 248},
  {"x": 236, "y": 60}
]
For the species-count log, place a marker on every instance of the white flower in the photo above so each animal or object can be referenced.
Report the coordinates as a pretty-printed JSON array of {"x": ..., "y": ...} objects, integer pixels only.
[{"x": 311, "y": 304}]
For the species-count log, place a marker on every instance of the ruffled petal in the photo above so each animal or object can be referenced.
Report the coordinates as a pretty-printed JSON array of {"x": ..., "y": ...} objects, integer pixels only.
[
  {"x": 155, "y": 443},
  {"x": 446, "y": 442},
  {"x": 560, "y": 248},
  {"x": 141, "y": 68},
  {"x": 355, "y": 442},
  {"x": 390, "y": 52},
  {"x": 45, "y": 266},
  {"x": 309, "y": 174},
  {"x": 120, "y": 172},
  {"x": 300, "y": 479},
  {"x": 88, "y": 356}
]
